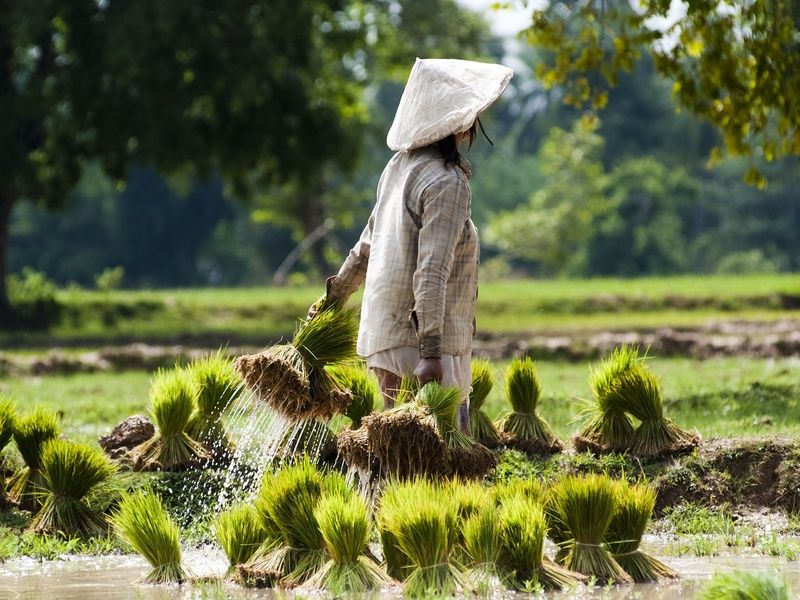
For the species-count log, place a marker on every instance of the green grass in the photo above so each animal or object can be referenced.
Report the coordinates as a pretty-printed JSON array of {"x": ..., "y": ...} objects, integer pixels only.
[
  {"x": 91, "y": 403},
  {"x": 504, "y": 306}
]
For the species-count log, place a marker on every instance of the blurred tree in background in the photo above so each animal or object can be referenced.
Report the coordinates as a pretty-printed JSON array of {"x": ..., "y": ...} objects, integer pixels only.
[{"x": 736, "y": 64}]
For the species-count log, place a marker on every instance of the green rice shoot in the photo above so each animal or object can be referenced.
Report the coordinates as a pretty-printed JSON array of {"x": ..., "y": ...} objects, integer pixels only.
[
  {"x": 585, "y": 505},
  {"x": 480, "y": 535},
  {"x": 330, "y": 337},
  {"x": 217, "y": 385},
  {"x": 424, "y": 531},
  {"x": 8, "y": 415},
  {"x": 31, "y": 432},
  {"x": 288, "y": 499},
  {"x": 239, "y": 533},
  {"x": 608, "y": 426},
  {"x": 524, "y": 425},
  {"x": 523, "y": 530},
  {"x": 363, "y": 388},
  {"x": 71, "y": 471},
  {"x": 635, "y": 504},
  {"x": 656, "y": 435},
  {"x": 481, "y": 425},
  {"x": 143, "y": 523},
  {"x": 173, "y": 401},
  {"x": 741, "y": 585},
  {"x": 345, "y": 526}
]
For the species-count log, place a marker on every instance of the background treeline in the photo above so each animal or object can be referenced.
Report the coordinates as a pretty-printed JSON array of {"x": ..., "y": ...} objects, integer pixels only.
[{"x": 560, "y": 194}]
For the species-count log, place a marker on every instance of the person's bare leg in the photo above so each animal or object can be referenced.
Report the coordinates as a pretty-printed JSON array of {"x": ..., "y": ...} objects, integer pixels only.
[
  {"x": 390, "y": 385},
  {"x": 463, "y": 418}
]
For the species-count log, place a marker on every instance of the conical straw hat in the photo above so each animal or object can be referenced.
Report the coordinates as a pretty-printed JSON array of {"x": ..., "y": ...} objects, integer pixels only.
[{"x": 444, "y": 96}]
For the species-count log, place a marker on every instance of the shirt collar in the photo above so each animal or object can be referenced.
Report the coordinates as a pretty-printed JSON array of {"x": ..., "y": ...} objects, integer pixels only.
[{"x": 465, "y": 165}]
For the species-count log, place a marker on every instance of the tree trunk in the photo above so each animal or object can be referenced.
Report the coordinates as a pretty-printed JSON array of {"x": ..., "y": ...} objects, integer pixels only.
[
  {"x": 9, "y": 318},
  {"x": 314, "y": 217}
]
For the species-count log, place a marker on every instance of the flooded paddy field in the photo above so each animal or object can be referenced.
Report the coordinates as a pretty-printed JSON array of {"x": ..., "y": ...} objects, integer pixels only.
[{"x": 115, "y": 578}]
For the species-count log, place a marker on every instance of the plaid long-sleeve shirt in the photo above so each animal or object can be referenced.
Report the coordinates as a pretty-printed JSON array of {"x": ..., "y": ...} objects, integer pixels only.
[{"x": 418, "y": 258}]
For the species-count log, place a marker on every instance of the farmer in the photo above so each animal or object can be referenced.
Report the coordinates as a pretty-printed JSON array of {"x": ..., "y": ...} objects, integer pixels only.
[{"x": 418, "y": 255}]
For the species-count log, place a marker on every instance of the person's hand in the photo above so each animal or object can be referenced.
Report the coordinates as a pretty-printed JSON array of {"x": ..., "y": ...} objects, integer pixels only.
[
  {"x": 316, "y": 307},
  {"x": 428, "y": 369}
]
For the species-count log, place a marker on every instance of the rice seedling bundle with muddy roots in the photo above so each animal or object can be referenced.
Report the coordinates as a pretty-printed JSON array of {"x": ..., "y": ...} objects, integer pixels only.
[
  {"x": 524, "y": 429},
  {"x": 71, "y": 472},
  {"x": 291, "y": 378},
  {"x": 401, "y": 443},
  {"x": 608, "y": 427},
  {"x": 422, "y": 522},
  {"x": 288, "y": 499},
  {"x": 635, "y": 503},
  {"x": 217, "y": 385},
  {"x": 142, "y": 522},
  {"x": 240, "y": 534},
  {"x": 584, "y": 506},
  {"x": 31, "y": 433},
  {"x": 467, "y": 458},
  {"x": 522, "y": 533},
  {"x": 483, "y": 430},
  {"x": 345, "y": 525},
  {"x": 656, "y": 436},
  {"x": 173, "y": 402}
]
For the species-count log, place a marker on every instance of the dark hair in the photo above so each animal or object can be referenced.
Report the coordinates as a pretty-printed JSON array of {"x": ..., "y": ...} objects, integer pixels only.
[{"x": 449, "y": 149}]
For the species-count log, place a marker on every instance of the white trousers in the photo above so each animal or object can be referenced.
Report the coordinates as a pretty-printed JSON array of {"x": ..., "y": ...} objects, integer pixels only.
[{"x": 456, "y": 370}]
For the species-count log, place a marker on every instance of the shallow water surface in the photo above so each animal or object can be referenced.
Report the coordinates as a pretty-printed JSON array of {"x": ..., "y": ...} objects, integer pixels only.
[{"x": 115, "y": 578}]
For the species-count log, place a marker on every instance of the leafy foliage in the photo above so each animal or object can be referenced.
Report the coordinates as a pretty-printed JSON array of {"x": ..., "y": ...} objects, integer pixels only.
[{"x": 736, "y": 65}]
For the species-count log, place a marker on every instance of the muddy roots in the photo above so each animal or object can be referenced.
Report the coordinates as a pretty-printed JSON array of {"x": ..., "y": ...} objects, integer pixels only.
[
  {"x": 473, "y": 462},
  {"x": 402, "y": 443},
  {"x": 280, "y": 378}
]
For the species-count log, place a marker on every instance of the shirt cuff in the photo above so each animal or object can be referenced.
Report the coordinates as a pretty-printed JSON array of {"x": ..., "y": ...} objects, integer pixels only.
[{"x": 430, "y": 346}]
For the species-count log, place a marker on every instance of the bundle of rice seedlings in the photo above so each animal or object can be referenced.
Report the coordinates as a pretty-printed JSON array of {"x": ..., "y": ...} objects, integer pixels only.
[
  {"x": 31, "y": 432},
  {"x": 635, "y": 503},
  {"x": 401, "y": 443},
  {"x": 741, "y": 585},
  {"x": 422, "y": 521},
  {"x": 7, "y": 421},
  {"x": 289, "y": 499},
  {"x": 469, "y": 498},
  {"x": 522, "y": 529},
  {"x": 345, "y": 526},
  {"x": 363, "y": 387},
  {"x": 482, "y": 427},
  {"x": 468, "y": 458},
  {"x": 585, "y": 506},
  {"x": 71, "y": 471},
  {"x": 173, "y": 399},
  {"x": 525, "y": 430},
  {"x": 240, "y": 533},
  {"x": 640, "y": 391},
  {"x": 142, "y": 522},
  {"x": 482, "y": 550},
  {"x": 291, "y": 378},
  {"x": 217, "y": 385},
  {"x": 608, "y": 428}
]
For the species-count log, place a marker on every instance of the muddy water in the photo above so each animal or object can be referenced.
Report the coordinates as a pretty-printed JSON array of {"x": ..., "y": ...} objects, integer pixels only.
[{"x": 115, "y": 577}]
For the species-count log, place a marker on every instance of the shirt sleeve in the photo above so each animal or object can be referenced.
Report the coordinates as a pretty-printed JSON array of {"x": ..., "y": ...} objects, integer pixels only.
[
  {"x": 445, "y": 210},
  {"x": 353, "y": 272}
]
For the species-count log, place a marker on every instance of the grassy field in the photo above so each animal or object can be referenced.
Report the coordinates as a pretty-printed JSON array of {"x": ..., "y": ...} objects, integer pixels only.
[
  {"x": 254, "y": 314},
  {"x": 719, "y": 397}
]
